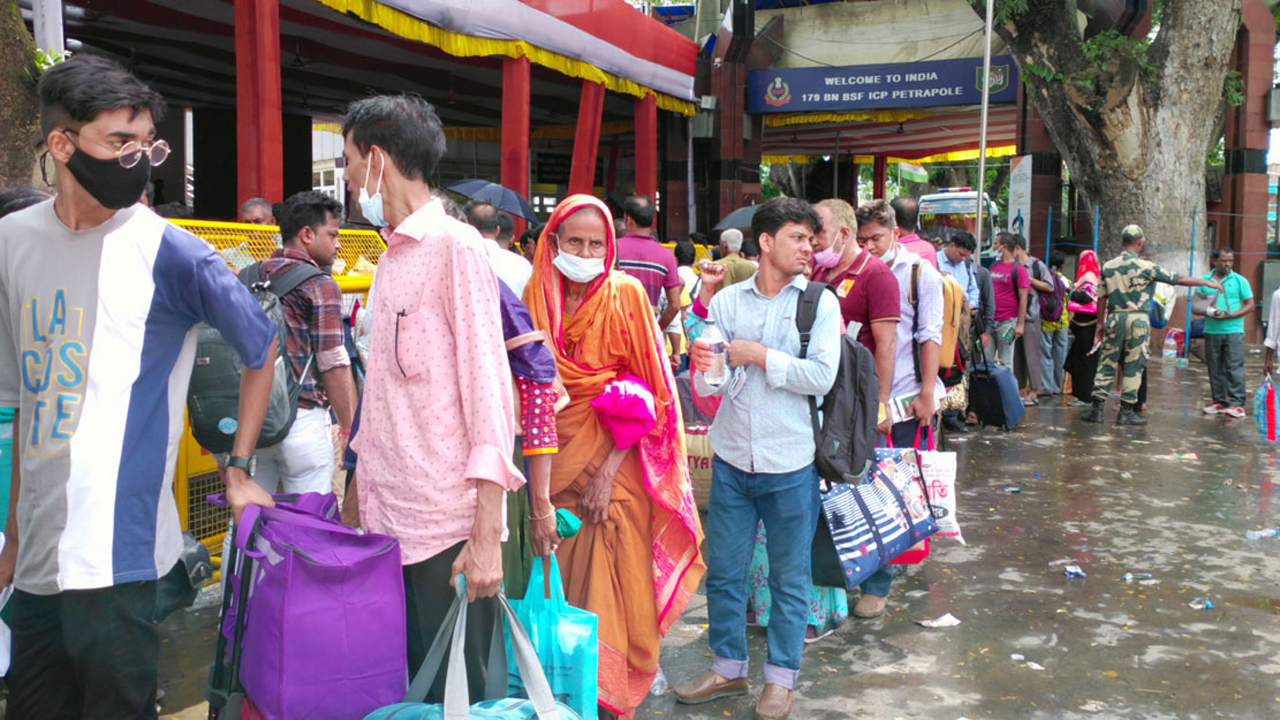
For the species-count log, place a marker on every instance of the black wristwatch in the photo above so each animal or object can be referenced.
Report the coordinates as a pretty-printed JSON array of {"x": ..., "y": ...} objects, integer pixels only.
[{"x": 247, "y": 464}]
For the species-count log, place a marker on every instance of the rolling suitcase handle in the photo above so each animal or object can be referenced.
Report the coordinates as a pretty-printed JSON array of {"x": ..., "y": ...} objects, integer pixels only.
[{"x": 224, "y": 691}]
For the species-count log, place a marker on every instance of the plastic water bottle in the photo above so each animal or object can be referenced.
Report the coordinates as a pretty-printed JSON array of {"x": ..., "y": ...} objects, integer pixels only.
[
  {"x": 1259, "y": 534},
  {"x": 1170, "y": 347},
  {"x": 719, "y": 370}
]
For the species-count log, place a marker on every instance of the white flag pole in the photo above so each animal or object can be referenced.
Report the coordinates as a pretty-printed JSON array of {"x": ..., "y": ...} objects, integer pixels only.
[{"x": 982, "y": 132}]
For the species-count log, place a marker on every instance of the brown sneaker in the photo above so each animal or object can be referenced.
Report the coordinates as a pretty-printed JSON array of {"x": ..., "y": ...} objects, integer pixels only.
[
  {"x": 710, "y": 687},
  {"x": 774, "y": 703},
  {"x": 870, "y": 606}
]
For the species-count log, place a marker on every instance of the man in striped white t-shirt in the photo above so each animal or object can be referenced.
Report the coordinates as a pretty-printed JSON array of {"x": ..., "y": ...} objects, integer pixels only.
[{"x": 99, "y": 301}]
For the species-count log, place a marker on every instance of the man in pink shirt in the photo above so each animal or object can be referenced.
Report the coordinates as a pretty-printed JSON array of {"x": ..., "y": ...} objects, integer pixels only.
[
  {"x": 437, "y": 425},
  {"x": 907, "y": 212}
]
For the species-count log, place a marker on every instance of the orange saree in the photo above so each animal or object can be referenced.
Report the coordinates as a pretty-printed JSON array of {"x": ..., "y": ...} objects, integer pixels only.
[{"x": 637, "y": 570}]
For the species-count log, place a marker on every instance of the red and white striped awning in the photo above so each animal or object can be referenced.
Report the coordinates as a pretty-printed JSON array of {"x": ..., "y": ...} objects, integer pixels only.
[{"x": 947, "y": 131}]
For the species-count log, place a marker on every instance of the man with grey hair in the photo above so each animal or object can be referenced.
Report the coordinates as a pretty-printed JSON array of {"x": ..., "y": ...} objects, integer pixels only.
[
  {"x": 257, "y": 211},
  {"x": 512, "y": 269},
  {"x": 737, "y": 267}
]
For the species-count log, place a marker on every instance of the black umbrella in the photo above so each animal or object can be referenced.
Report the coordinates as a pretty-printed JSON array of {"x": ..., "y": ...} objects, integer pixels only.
[
  {"x": 496, "y": 195},
  {"x": 740, "y": 218}
]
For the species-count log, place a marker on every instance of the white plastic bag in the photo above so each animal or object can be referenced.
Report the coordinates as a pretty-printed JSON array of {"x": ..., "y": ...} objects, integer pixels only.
[
  {"x": 6, "y": 637},
  {"x": 939, "y": 471}
]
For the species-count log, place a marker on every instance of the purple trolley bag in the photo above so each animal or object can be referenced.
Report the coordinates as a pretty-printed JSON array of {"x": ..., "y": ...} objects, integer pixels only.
[{"x": 323, "y": 620}]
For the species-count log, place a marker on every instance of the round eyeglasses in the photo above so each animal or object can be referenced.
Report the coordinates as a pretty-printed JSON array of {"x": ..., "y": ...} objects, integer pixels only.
[{"x": 129, "y": 154}]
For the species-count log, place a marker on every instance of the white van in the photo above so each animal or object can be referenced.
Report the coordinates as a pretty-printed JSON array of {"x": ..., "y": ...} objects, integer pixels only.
[{"x": 952, "y": 209}]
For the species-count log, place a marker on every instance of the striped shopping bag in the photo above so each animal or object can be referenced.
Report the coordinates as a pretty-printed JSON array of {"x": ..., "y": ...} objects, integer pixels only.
[{"x": 1266, "y": 411}]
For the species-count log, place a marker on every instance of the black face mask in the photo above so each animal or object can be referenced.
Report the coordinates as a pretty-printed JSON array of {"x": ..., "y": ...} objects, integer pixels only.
[{"x": 115, "y": 186}]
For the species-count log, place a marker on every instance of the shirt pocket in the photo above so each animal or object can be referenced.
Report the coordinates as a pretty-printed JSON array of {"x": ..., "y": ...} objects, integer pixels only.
[{"x": 410, "y": 344}]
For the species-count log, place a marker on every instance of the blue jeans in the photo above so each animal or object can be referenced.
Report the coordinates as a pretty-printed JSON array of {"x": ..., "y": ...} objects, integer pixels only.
[{"x": 788, "y": 504}]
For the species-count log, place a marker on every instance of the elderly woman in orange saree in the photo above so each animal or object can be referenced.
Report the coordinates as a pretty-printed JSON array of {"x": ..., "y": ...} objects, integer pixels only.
[{"x": 622, "y": 465}]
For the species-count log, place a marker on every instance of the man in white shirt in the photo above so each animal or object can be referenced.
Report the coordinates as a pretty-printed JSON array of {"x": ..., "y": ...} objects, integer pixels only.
[
  {"x": 496, "y": 226},
  {"x": 915, "y": 365},
  {"x": 1272, "y": 340}
]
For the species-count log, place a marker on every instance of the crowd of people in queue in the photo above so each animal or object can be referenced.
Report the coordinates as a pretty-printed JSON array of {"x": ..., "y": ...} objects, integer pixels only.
[{"x": 502, "y": 382}]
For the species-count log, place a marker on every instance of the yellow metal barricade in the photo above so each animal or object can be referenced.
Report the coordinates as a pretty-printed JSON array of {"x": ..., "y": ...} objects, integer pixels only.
[
  {"x": 196, "y": 474},
  {"x": 241, "y": 244},
  {"x": 700, "y": 252}
]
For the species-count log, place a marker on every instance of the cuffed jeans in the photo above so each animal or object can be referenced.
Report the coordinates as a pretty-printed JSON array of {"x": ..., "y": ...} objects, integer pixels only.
[
  {"x": 1224, "y": 354},
  {"x": 788, "y": 504},
  {"x": 1053, "y": 355}
]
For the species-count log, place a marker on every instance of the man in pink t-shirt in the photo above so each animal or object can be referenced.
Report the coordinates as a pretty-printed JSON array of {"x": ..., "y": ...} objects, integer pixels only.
[
  {"x": 907, "y": 212},
  {"x": 1010, "y": 283}
]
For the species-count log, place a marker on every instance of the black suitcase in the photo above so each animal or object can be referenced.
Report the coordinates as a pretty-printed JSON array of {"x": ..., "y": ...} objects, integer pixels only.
[{"x": 993, "y": 394}]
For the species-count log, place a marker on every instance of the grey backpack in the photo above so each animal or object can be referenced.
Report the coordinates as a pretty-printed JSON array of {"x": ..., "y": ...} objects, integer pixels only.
[{"x": 213, "y": 397}]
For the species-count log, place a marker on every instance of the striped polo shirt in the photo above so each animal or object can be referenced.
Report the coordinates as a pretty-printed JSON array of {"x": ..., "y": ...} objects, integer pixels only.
[{"x": 644, "y": 259}]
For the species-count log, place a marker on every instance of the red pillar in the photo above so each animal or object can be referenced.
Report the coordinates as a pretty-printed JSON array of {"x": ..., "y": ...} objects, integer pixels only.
[
  {"x": 647, "y": 146},
  {"x": 259, "y": 138},
  {"x": 880, "y": 175},
  {"x": 586, "y": 139},
  {"x": 515, "y": 128},
  {"x": 1245, "y": 194}
]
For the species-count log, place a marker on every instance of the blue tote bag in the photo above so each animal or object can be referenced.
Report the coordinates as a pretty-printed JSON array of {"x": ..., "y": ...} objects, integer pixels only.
[
  {"x": 564, "y": 638},
  {"x": 452, "y": 637},
  {"x": 872, "y": 522}
]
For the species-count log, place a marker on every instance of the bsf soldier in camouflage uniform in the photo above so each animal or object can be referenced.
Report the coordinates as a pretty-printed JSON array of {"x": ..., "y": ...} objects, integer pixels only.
[{"x": 1124, "y": 290}]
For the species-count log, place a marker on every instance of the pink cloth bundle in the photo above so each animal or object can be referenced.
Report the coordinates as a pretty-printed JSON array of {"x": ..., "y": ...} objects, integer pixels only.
[{"x": 626, "y": 410}]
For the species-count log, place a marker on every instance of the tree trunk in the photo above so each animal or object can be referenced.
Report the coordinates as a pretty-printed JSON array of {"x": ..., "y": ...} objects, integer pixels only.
[
  {"x": 19, "y": 105},
  {"x": 1133, "y": 132}
]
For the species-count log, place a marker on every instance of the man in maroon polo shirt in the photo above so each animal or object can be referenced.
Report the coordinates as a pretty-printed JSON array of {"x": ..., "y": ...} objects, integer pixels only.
[
  {"x": 867, "y": 288},
  {"x": 643, "y": 258}
]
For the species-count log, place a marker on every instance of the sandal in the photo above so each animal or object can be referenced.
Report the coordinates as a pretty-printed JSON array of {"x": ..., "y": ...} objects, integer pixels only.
[{"x": 1029, "y": 402}]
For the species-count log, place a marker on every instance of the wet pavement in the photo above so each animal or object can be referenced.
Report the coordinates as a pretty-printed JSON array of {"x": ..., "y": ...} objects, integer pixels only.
[{"x": 1114, "y": 500}]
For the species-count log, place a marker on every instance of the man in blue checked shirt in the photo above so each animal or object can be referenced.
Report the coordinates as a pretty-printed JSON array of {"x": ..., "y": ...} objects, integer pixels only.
[{"x": 763, "y": 440}]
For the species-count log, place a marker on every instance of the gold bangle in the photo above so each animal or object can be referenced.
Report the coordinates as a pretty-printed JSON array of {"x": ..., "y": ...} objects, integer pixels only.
[{"x": 544, "y": 517}]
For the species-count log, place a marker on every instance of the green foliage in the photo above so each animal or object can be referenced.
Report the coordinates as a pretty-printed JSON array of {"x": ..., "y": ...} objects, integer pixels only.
[
  {"x": 768, "y": 190},
  {"x": 1041, "y": 72},
  {"x": 1233, "y": 88},
  {"x": 1004, "y": 10},
  {"x": 1217, "y": 153},
  {"x": 46, "y": 59},
  {"x": 1110, "y": 49}
]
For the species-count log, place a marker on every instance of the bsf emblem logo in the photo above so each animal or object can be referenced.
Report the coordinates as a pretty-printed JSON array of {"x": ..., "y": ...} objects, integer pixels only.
[
  {"x": 778, "y": 93},
  {"x": 999, "y": 80}
]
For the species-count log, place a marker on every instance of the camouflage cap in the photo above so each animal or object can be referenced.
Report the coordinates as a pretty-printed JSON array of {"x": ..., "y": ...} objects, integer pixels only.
[{"x": 1131, "y": 233}]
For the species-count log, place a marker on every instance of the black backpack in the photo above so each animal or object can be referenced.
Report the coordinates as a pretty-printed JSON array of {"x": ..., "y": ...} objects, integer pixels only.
[
  {"x": 213, "y": 397},
  {"x": 846, "y": 436}
]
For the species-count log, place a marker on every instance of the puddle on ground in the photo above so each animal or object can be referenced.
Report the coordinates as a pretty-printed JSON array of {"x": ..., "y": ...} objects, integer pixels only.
[{"x": 1271, "y": 605}]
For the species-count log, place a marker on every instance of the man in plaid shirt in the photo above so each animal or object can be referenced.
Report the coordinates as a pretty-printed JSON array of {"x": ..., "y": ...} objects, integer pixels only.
[{"x": 314, "y": 346}]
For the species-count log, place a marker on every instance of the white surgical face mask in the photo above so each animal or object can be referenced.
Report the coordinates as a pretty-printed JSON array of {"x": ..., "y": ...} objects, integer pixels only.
[
  {"x": 579, "y": 270},
  {"x": 371, "y": 207}
]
